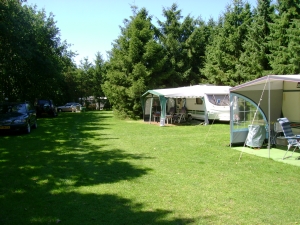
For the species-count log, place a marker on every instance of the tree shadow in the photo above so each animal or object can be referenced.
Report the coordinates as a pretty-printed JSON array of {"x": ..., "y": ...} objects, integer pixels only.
[
  {"x": 93, "y": 209},
  {"x": 40, "y": 171}
]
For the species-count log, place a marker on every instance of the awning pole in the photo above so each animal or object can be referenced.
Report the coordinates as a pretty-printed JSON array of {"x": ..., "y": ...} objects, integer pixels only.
[
  {"x": 150, "y": 118},
  {"x": 269, "y": 120}
]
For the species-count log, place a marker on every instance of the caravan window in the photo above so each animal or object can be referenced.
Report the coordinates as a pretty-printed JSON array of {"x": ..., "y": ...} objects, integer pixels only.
[
  {"x": 219, "y": 100},
  {"x": 199, "y": 101}
]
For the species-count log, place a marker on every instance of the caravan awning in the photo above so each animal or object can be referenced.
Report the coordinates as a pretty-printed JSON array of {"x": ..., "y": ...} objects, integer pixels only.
[
  {"x": 276, "y": 83},
  {"x": 196, "y": 91},
  {"x": 268, "y": 93},
  {"x": 274, "y": 96},
  {"x": 188, "y": 92}
]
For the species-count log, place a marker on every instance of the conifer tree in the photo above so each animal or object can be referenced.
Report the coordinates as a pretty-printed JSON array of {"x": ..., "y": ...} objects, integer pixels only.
[
  {"x": 254, "y": 62},
  {"x": 292, "y": 65},
  {"x": 184, "y": 40},
  {"x": 136, "y": 64},
  {"x": 223, "y": 54},
  {"x": 282, "y": 37}
]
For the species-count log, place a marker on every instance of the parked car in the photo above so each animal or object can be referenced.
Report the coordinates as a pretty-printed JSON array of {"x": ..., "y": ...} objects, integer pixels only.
[
  {"x": 69, "y": 107},
  {"x": 17, "y": 116},
  {"x": 45, "y": 107}
]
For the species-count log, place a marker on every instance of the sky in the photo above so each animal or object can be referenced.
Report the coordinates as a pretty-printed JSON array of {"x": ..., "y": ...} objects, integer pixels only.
[{"x": 91, "y": 26}]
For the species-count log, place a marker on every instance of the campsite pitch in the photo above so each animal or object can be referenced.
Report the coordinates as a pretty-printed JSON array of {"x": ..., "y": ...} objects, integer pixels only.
[{"x": 92, "y": 168}]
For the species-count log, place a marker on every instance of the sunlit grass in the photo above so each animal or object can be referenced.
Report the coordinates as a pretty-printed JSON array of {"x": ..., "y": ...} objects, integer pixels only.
[{"x": 92, "y": 168}]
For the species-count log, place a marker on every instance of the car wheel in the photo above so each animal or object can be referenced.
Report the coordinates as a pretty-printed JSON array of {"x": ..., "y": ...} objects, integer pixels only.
[
  {"x": 28, "y": 129},
  {"x": 35, "y": 124},
  {"x": 59, "y": 110}
]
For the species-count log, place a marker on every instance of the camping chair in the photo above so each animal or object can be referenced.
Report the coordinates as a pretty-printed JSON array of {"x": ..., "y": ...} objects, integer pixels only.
[
  {"x": 171, "y": 115},
  {"x": 156, "y": 115},
  {"x": 288, "y": 134},
  {"x": 182, "y": 114}
]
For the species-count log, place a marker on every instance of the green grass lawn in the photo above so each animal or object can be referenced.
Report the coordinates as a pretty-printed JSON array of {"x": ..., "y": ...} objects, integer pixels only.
[{"x": 91, "y": 168}]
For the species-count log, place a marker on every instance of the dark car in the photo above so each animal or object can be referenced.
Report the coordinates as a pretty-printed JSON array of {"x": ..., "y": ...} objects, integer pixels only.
[
  {"x": 45, "y": 107},
  {"x": 17, "y": 116}
]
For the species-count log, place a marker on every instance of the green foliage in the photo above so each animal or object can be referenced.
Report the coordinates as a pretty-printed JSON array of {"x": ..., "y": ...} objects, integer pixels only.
[
  {"x": 137, "y": 62},
  {"x": 254, "y": 62},
  {"x": 293, "y": 32},
  {"x": 185, "y": 43},
  {"x": 223, "y": 54},
  {"x": 84, "y": 79},
  {"x": 98, "y": 78},
  {"x": 32, "y": 56},
  {"x": 242, "y": 45},
  {"x": 283, "y": 38}
]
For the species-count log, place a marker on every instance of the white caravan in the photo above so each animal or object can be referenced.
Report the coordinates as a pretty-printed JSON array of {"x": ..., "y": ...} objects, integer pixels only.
[{"x": 203, "y": 102}]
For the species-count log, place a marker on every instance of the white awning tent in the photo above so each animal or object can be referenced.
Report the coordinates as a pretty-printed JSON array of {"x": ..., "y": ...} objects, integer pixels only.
[
  {"x": 273, "y": 96},
  {"x": 196, "y": 91}
]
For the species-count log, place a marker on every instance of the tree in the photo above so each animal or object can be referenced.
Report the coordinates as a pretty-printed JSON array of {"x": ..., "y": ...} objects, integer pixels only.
[
  {"x": 84, "y": 79},
  {"x": 254, "y": 62},
  {"x": 292, "y": 51},
  {"x": 13, "y": 45},
  {"x": 98, "y": 79},
  {"x": 197, "y": 44},
  {"x": 69, "y": 90},
  {"x": 185, "y": 44},
  {"x": 283, "y": 39},
  {"x": 31, "y": 53},
  {"x": 223, "y": 54},
  {"x": 136, "y": 63}
]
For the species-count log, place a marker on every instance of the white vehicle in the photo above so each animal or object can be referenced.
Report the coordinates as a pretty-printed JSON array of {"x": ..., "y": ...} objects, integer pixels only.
[
  {"x": 203, "y": 102},
  {"x": 210, "y": 106},
  {"x": 69, "y": 107}
]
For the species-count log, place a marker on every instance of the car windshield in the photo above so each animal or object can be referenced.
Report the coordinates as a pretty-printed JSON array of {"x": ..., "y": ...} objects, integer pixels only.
[{"x": 9, "y": 108}]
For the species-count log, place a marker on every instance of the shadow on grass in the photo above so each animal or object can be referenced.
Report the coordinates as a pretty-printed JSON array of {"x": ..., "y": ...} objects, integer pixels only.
[
  {"x": 41, "y": 171},
  {"x": 88, "y": 209}
]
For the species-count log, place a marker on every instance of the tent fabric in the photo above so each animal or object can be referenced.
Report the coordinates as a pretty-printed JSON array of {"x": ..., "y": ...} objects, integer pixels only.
[
  {"x": 258, "y": 84},
  {"x": 269, "y": 94},
  {"x": 273, "y": 84},
  {"x": 188, "y": 92}
]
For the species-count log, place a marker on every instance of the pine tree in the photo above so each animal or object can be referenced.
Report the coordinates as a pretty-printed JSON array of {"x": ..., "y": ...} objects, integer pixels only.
[
  {"x": 184, "y": 40},
  {"x": 254, "y": 62},
  {"x": 136, "y": 64},
  {"x": 222, "y": 55},
  {"x": 283, "y": 32},
  {"x": 293, "y": 48}
]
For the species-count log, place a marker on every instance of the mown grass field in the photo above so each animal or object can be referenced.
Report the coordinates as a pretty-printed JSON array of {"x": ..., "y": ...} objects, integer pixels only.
[{"x": 92, "y": 168}]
